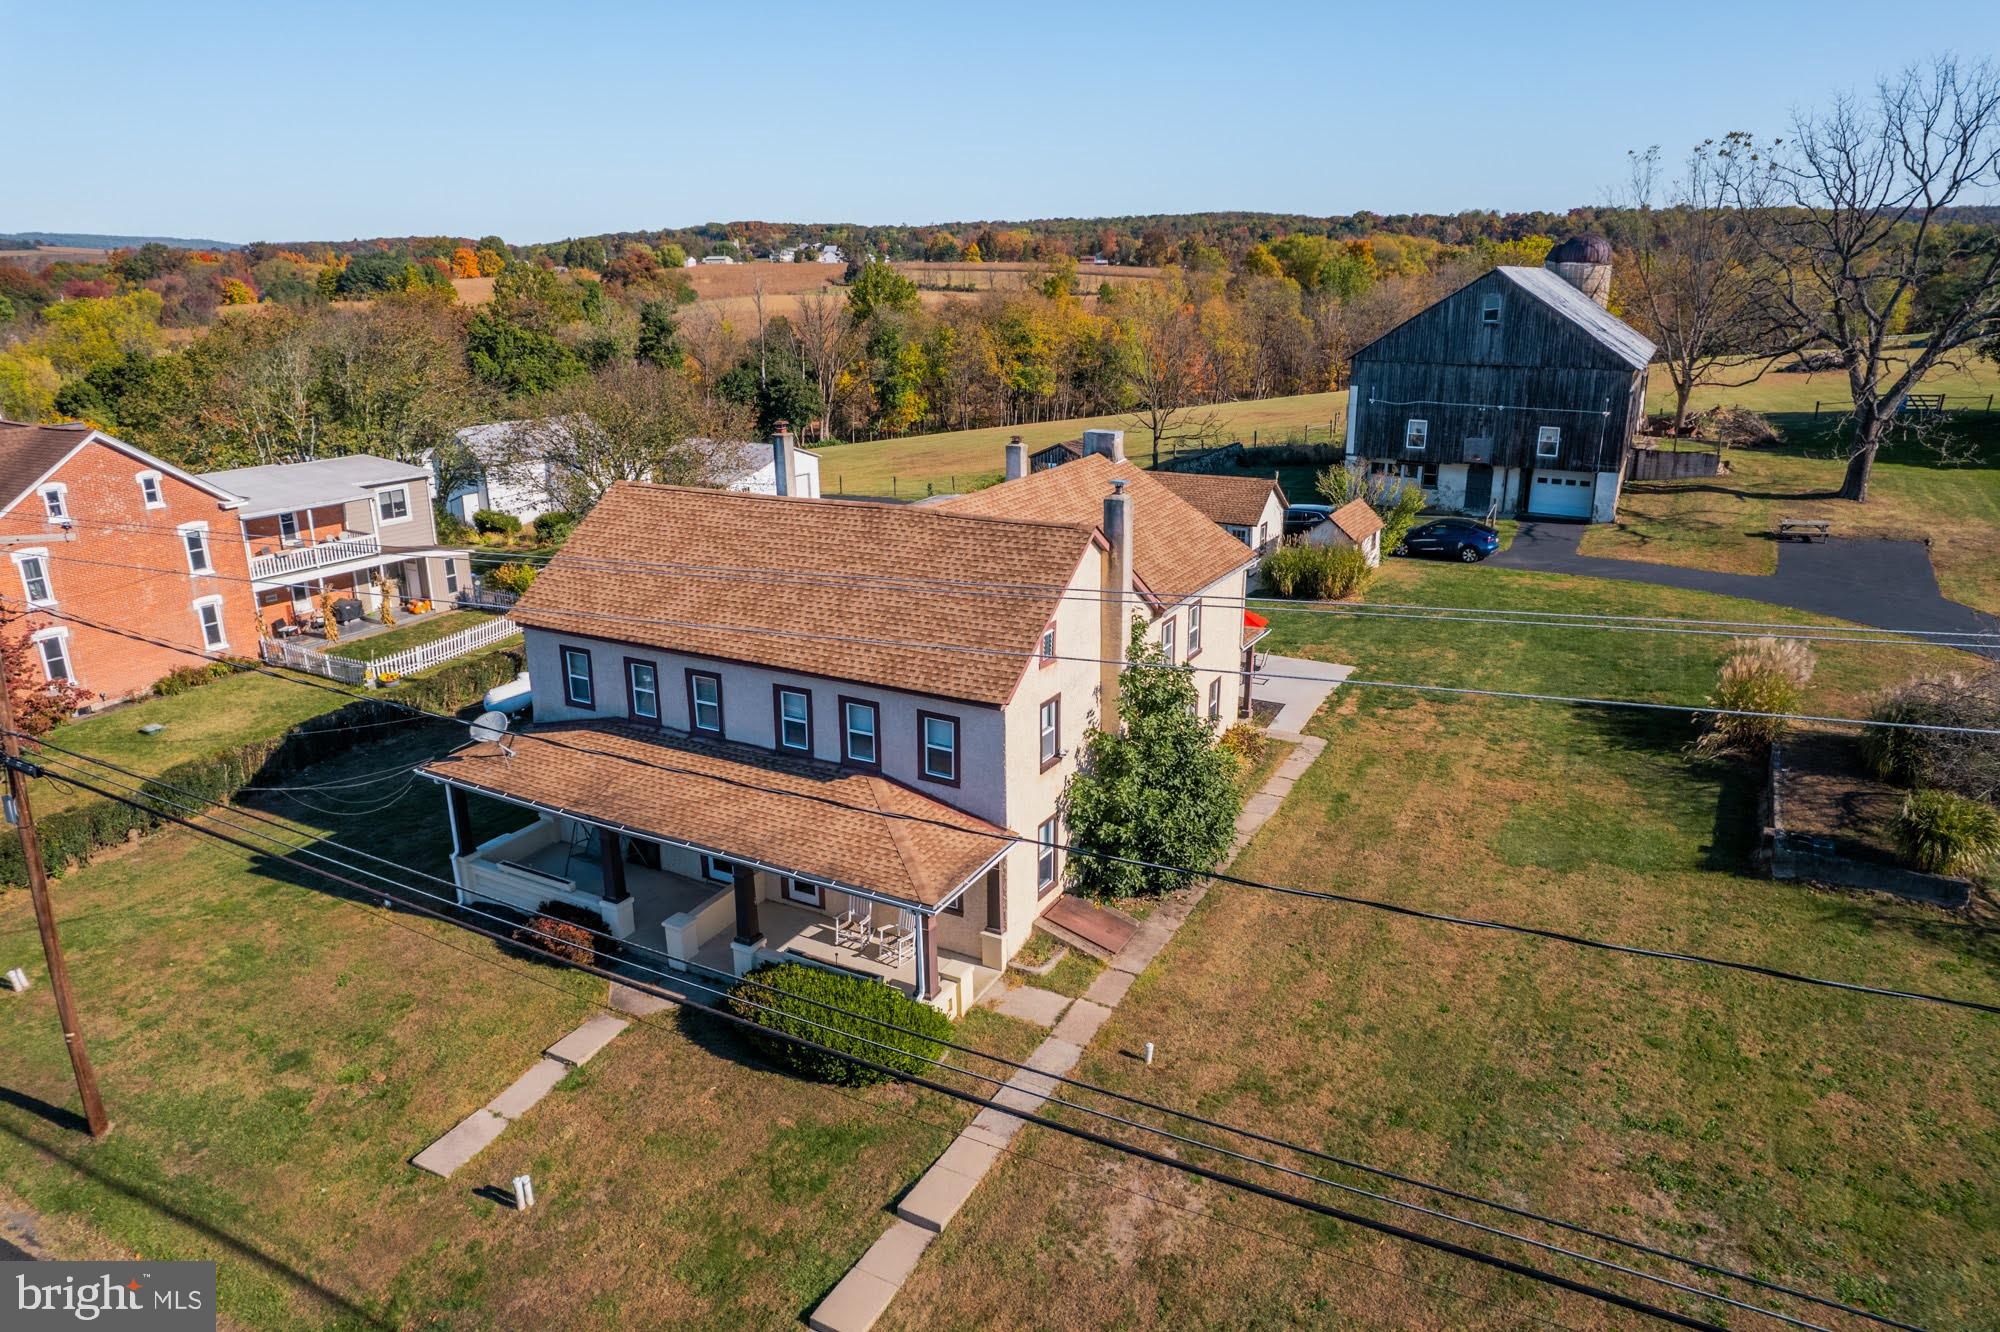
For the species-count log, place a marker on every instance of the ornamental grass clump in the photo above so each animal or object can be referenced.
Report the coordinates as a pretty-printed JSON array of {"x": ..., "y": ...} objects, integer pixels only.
[
  {"x": 1942, "y": 833},
  {"x": 1763, "y": 676},
  {"x": 1963, "y": 757}
]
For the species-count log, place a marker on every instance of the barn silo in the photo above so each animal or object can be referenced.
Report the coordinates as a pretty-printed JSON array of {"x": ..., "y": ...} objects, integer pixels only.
[{"x": 1585, "y": 263}]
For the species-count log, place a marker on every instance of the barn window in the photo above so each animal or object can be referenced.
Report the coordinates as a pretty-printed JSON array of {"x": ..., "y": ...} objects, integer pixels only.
[
  {"x": 1548, "y": 441},
  {"x": 1489, "y": 311},
  {"x": 1416, "y": 434}
]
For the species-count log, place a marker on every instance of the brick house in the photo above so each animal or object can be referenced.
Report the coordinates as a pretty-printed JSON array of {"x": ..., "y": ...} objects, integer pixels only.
[{"x": 98, "y": 530}]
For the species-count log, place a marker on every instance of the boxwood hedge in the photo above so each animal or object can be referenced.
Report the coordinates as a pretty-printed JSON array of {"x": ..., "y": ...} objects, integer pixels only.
[{"x": 803, "y": 1001}]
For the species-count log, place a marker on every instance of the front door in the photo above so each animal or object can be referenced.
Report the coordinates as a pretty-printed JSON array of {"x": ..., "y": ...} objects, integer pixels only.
[{"x": 1478, "y": 487}]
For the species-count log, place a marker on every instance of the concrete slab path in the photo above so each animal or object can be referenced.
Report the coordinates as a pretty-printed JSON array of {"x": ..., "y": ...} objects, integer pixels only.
[
  {"x": 1031, "y": 1003},
  {"x": 1299, "y": 694},
  {"x": 865, "y": 1293},
  {"x": 478, "y": 1130}
]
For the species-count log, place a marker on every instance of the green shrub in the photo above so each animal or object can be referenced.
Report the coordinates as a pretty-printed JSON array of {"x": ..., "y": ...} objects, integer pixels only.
[
  {"x": 453, "y": 530},
  {"x": 552, "y": 529},
  {"x": 1764, "y": 675},
  {"x": 1323, "y": 573},
  {"x": 183, "y": 678},
  {"x": 1942, "y": 833},
  {"x": 515, "y": 578},
  {"x": 802, "y": 1001},
  {"x": 1283, "y": 569},
  {"x": 492, "y": 520}
]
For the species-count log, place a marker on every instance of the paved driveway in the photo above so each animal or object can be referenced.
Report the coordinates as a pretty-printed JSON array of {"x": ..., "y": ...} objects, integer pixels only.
[{"x": 1888, "y": 584}]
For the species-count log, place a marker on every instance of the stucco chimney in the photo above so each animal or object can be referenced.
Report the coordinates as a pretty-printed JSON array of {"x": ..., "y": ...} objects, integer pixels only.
[
  {"x": 1017, "y": 459},
  {"x": 781, "y": 456},
  {"x": 1110, "y": 443},
  {"x": 1115, "y": 619}
]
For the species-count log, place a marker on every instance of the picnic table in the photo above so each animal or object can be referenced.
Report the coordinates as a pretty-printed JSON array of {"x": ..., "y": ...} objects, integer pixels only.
[{"x": 1804, "y": 529}]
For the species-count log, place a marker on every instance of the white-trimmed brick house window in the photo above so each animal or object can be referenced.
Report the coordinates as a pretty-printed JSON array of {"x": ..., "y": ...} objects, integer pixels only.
[
  {"x": 208, "y": 613},
  {"x": 1548, "y": 441},
  {"x": 194, "y": 538},
  {"x": 52, "y": 645},
  {"x": 1416, "y": 434},
  {"x": 34, "y": 567},
  {"x": 393, "y": 505},
  {"x": 55, "y": 498},
  {"x": 150, "y": 491}
]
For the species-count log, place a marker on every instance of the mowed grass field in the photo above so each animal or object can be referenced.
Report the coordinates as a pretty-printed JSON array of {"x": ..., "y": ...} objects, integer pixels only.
[
  {"x": 274, "y": 1050},
  {"x": 1835, "y": 1142}
]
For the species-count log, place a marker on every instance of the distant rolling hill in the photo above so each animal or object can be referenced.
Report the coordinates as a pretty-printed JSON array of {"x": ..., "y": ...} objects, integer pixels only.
[{"x": 88, "y": 241}]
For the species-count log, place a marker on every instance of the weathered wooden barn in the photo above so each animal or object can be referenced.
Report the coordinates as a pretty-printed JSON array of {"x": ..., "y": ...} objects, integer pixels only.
[{"x": 1516, "y": 395}]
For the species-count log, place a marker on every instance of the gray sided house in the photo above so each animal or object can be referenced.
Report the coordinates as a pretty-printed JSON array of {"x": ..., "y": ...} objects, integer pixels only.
[{"x": 1516, "y": 395}]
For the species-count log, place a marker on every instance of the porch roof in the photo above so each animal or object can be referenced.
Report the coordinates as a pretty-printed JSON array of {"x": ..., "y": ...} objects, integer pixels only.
[{"x": 852, "y": 831}]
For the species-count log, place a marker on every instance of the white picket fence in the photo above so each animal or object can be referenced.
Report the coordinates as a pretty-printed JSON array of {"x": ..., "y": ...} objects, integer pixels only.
[
  {"x": 315, "y": 661},
  {"x": 496, "y": 630}
]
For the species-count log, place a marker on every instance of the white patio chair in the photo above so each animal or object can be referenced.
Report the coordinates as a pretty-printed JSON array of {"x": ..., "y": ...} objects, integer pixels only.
[
  {"x": 896, "y": 943},
  {"x": 853, "y": 927}
]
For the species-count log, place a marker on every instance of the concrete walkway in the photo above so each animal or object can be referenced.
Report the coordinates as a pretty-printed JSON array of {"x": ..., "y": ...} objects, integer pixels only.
[
  {"x": 1886, "y": 584},
  {"x": 1297, "y": 698},
  {"x": 473, "y": 1134},
  {"x": 865, "y": 1293}
]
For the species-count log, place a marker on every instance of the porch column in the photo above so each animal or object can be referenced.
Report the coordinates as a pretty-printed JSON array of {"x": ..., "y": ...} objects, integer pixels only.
[
  {"x": 747, "y": 931},
  {"x": 927, "y": 968},
  {"x": 611, "y": 858},
  {"x": 458, "y": 805},
  {"x": 996, "y": 901}
]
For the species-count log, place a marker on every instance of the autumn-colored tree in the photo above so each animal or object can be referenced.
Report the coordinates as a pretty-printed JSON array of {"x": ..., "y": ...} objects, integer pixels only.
[
  {"x": 972, "y": 252},
  {"x": 464, "y": 262},
  {"x": 40, "y": 704},
  {"x": 489, "y": 262},
  {"x": 235, "y": 291}
]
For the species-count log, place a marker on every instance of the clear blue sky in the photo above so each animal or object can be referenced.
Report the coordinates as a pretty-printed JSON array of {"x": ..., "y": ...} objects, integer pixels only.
[{"x": 289, "y": 120}]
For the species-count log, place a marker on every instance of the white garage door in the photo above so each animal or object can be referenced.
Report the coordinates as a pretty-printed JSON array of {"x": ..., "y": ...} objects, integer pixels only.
[{"x": 1561, "y": 494}]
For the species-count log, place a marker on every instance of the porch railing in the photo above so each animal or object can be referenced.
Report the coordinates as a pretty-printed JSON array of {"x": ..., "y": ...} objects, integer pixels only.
[
  {"x": 425, "y": 655},
  {"x": 304, "y": 559}
]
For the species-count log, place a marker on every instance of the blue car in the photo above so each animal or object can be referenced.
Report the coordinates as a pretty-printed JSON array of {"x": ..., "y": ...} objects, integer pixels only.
[{"x": 1451, "y": 538}]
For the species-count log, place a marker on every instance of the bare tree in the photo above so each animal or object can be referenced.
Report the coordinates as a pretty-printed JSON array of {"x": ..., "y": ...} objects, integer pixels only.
[
  {"x": 1691, "y": 286},
  {"x": 825, "y": 334},
  {"x": 1168, "y": 369},
  {"x": 1851, "y": 217}
]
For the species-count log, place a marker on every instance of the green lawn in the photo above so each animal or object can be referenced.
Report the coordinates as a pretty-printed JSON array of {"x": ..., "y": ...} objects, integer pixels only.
[
  {"x": 1832, "y": 1141},
  {"x": 409, "y": 635}
]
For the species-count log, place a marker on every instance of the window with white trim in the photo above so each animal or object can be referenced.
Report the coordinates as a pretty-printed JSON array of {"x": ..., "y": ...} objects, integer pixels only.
[
  {"x": 795, "y": 720},
  {"x": 577, "y": 685},
  {"x": 1046, "y": 860},
  {"x": 1051, "y": 731},
  {"x": 805, "y": 894},
  {"x": 1167, "y": 639},
  {"x": 642, "y": 690},
  {"x": 1416, "y": 434},
  {"x": 1194, "y": 628},
  {"x": 717, "y": 870},
  {"x": 55, "y": 498},
  {"x": 1048, "y": 645},
  {"x": 1548, "y": 441},
  {"x": 1489, "y": 311},
  {"x": 939, "y": 759},
  {"x": 393, "y": 505},
  {"x": 288, "y": 528},
  {"x": 705, "y": 702},
  {"x": 858, "y": 723},
  {"x": 194, "y": 539},
  {"x": 53, "y": 647},
  {"x": 451, "y": 576},
  {"x": 34, "y": 567},
  {"x": 150, "y": 491},
  {"x": 208, "y": 612},
  {"x": 1215, "y": 699}
]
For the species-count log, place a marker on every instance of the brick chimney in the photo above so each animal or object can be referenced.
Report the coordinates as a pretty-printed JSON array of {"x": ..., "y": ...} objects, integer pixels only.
[
  {"x": 781, "y": 456},
  {"x": 1115, "y": 618},
  {"x": 1110, "y": 443},
  {"x": 1017, "y": 459}
]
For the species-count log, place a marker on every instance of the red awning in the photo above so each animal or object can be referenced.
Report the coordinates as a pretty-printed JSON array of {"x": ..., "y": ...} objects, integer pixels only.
[{"x": 1252, "y": 620}]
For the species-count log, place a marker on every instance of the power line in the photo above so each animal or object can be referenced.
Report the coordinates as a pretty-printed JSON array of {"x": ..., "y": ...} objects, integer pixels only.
[
  {"x": 1376, "y": 1225},
  {"x": 208, "y": 805},
  {"x": 1348, "y": 899}
]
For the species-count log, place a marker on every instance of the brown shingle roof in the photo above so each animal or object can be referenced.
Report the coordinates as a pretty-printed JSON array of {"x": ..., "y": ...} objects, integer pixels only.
[
  {"x": 783, "y": 579},
  {"x": 1235, "y": 500},
  {"x": 1176, "y": 550},
  {"x": 825, "y": 823},
  {"x": 1358, "y": 520},
  {"x": 28, "y": 451}
]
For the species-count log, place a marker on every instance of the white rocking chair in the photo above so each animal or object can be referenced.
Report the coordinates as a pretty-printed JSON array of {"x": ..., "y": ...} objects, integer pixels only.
[
  {"x": 896, "y": 943},
  {"x": 853, "y": 927}
]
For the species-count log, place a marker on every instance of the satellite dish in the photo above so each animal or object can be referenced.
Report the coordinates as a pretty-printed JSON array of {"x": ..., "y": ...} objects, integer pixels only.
[{"x": 489, "y": 726}]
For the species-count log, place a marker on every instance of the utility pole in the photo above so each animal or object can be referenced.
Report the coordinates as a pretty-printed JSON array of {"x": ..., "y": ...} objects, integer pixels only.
[{"x": 18, "y": 772}]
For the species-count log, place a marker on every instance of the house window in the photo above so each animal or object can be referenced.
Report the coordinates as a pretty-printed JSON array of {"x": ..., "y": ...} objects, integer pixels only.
[
  {"x": 34, "y": 567},
  {"x": 209, "y": 612},
  {"x": 1215, "y": 699},
  {"x": 194, "y": 536},
  {"x": 1424, "y": 474},
  {"x": 288, "y": 528},
  {"x": 1051, "y": 731},
  {"x": 1548, "y": 441},
  {"x": 938, "y": 743},
  {"x": 805, "y": 894},
  {"x": 858, "y": 724},
  {"x": 150, "y": 492},
  {"x": 1167, "y": 639},
  {"x": 53, "y": 644},
  {"x": 704, "y": 702},
  {"x": 642, "y": 690},
  {"x": 717, "y": 870},
  {"x": 393, "y": 505},
  {"x": 1046, "y": 861},
  {"x": 577, "y": 688},
  {"x": 1416, "y": 434},
  {"x": 1263, "y": 535},
  {"x": 1048, "y": 644},
  {"x": 451, "y": 576},
  {"x": 1194, "y": 630},
  {"x": 1489, "y": 312},
  {"x": 55, "y": 499},
  {"x": 642, "y": 852},
  {"x": 795, "y": 720}
]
